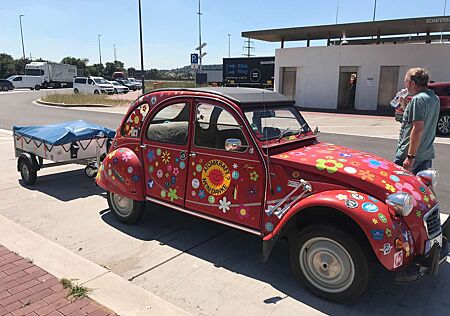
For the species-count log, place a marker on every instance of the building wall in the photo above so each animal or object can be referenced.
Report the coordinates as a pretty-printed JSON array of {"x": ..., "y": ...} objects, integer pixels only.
[{"x": 318, "y": 69}]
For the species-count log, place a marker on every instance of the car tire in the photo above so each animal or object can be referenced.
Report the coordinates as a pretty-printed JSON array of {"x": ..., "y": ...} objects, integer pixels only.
[
  {"x": 329, "y": 262},
  {"x": 37, "y": 87},
  {"x": 28, "y": 174},
  {"x": 115, "y": 91},
  {"x": 125, "y": 210},
  {"x": 96, "y": 92},
  {"x": 443, "y": 126},
  {"x": 76, "y": 91},
  {"x": 5, "y": 88}
]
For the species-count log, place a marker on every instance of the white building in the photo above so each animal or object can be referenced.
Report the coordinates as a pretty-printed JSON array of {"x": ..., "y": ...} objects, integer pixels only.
[{"x": 322, "y": 76}]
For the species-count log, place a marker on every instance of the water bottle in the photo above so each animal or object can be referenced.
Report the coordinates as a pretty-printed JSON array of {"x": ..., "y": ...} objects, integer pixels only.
[{"x": 401, "y": 94}]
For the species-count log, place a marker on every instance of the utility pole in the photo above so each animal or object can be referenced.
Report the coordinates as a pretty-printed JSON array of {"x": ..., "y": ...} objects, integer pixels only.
[
  {"x": 115, "y": 53},
  {"x": 229, "y": 45},
  {"x": 337, "y": 11},
  {"x": 445, "y": 7},
  {"x": 248, "y": 47},
  {"x": 21, "y": 35},
  {"x": 374, "y": 9},
  {"x": 142, "y": 49},
  {"x": 99, "y": 48},
  {"x": 199, "y": 37}
]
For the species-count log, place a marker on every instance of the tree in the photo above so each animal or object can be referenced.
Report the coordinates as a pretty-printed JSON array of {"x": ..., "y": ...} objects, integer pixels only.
[
  {"x": 79, "y": 62},
  {"x": 19, "y": 65},
  {"x": 111, "y": 68},
  {"x": 6, "y": 65},
  {"x": 95, "y": 70}
]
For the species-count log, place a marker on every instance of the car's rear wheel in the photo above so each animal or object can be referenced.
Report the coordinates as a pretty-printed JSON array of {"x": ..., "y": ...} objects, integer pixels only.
[
  {"x": 125, "y": 210},
  {"x": 96, "y": 92},
  {"x": 76, "y": 91},
  {"x": 443, "y": 126},
  {"x": 329, "y": 263},
  {"x": 5, "y": 88}
]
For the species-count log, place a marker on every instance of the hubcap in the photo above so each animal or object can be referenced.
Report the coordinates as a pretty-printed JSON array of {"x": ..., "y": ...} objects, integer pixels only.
[
  {"x": 444, "y": 124},
  {"x": 25, "y": 172},
  {"x": 327, "y": 265},
  {"x": 123, "y": 206}
]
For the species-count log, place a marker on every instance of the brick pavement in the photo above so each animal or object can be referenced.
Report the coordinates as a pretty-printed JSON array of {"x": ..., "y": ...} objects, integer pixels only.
[{"x": 26, "y": 289}]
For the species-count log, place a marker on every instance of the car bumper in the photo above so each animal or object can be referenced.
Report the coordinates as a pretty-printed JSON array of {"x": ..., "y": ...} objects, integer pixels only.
[
  {"x": 108, "y": 91},
  {"x": 427, "y": 265}
]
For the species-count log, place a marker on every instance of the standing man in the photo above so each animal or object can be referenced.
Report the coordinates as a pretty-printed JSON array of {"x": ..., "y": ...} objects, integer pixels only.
[{"x": 415, "y": 144}]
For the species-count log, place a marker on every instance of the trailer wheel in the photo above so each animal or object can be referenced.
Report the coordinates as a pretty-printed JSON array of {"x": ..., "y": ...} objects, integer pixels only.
[
  {"x": 90, "y": 171},
  {"x": 329, "y": 262},
  {"x": 29, "y": 176},
  {"x": 45, "y": 85},
  {"x": 125, "y": 210},
  {"x": 58, "y": 85}
]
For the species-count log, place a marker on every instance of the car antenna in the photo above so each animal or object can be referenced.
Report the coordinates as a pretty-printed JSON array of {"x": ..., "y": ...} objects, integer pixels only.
[{"x": 267, "y": 147}]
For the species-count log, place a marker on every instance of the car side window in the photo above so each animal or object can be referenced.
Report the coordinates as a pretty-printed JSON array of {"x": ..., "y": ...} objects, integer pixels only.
[
  {"x": 214, "y": 126},
  {"x": 133, "y": 125},
  {"x": 170, "y": 124},
  {"x": 90, "y": 81},
  {"x": 80, "y": 80},
  {"x": 18, "y": 79}
]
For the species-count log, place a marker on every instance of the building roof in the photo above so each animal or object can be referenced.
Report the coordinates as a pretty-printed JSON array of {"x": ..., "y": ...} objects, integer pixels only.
[{"x": 350, "y": 30}]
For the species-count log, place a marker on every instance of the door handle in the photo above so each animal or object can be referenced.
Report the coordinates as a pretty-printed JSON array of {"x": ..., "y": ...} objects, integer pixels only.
[
  {"x": 193, "y": 155},
  {"x": 143, "y": 146}
]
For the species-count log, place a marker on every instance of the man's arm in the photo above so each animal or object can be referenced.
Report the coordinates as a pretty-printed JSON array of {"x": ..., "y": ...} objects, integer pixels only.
[{"x": 415, "y": 137}]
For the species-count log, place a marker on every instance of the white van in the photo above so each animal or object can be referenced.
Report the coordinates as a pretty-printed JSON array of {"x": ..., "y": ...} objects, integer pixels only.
[
  {"x": 89, "y": 85},
  {"x": 30, "y": 82}
]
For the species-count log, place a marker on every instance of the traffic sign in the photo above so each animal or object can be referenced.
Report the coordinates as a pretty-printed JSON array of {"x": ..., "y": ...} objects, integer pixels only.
[{"x": 194, "y": 58}]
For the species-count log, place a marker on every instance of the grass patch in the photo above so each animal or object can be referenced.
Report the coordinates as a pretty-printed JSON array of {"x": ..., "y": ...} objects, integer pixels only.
[
  {"x": 75, "y": 290},
  {"x": 160, "y": 84},
  {"x": 83, "y": 99}
]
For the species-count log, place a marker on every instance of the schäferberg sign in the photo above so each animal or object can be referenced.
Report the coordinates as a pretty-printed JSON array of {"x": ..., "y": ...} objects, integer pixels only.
[{"x": 438, "y": 20}]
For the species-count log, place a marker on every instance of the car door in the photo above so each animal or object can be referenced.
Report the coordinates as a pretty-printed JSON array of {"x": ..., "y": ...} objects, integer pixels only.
[
  {"x": 18, "y": 82},
  {"x": 225, "y": 182},
  {"x": 90, "y": 86},
  {"x": 165, "y": 151}
]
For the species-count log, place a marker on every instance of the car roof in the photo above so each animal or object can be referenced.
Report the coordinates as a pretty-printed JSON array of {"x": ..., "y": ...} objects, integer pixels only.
[
  {"x": 439, "y": 84},
  {"x": 242, "y": 96}
]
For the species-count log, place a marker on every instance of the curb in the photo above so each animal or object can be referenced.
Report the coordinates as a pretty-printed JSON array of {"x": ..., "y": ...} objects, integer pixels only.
[
  {"x": 63, "y": 105},
  {"x": 108, "y": 289}
]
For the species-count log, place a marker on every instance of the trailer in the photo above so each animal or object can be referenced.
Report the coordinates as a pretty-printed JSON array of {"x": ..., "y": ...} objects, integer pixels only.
[
  {"x": 74, "y": 142},
  {"x": 52, "y": 74},
  {"x": 255, "y": 72}
]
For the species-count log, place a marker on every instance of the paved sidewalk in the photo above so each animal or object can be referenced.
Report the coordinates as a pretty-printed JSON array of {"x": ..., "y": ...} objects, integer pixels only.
[{"x": 26, "y": 289}]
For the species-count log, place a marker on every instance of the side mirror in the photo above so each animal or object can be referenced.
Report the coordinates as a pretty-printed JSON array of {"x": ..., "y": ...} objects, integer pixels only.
[
  {"x": 316, "y": 130},
  {"x": 233, "y": 144}
]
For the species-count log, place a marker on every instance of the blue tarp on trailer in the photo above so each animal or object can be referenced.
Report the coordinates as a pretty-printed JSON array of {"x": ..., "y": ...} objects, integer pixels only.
[{"x": 64, "y": 133}]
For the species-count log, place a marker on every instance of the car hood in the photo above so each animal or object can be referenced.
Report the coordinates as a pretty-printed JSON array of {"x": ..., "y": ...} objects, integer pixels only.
[
  {"x": 358, "y": 170},
  {"x": 106, "y": 86}
]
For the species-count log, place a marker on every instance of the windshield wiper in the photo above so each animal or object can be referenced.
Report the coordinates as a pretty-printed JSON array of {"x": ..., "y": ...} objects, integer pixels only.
[{"x": 299, "y": 131}]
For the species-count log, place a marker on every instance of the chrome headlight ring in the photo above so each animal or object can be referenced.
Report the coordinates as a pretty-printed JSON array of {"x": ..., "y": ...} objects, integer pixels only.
[
  {"x": 430, "y": 177},
  {"x": 401, "y": 203}
]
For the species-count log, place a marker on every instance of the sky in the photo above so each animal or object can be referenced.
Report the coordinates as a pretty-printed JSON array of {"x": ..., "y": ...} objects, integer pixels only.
[{"x": 54, "y": 29}]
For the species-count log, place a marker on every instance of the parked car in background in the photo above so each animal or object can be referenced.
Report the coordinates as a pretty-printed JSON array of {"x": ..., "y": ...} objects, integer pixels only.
[
  {"x": 89, "y": 85},
  {"x": 127, "y": 83},
  {"x": 135, "y": 82},
  {"x": 118, "y": 74},
  {"x": 119, "y": 88},
  {"x": 29, "y": 82},
  {"x": 6, "y": 85},
  {"x": 442, "y": 90}
]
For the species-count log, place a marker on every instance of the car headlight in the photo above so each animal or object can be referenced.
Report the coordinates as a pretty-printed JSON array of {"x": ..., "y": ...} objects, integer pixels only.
[
  {"x": 401, "y": 202},
  {"x": 430, "y": 177}
]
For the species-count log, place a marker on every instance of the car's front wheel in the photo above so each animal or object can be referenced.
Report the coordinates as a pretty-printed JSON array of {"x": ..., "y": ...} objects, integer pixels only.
[
  {"x": 96, "y": 92},
  {"x": 125, "y": 210},
  {"x": 443, "y": 126},
  {"x": 329, "y": 263}
]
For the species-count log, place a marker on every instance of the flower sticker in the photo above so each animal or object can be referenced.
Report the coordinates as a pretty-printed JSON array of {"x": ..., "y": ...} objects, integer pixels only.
[
  {"x": 254, "y": 176},
  {"x": 176, "y": 171},
  {"x": 330, "y": 165},
  {"x": 201, "y": 194},
  {"x": 243, "y": 212},
  {"x": 408, "y": 188},
  {"x": 166, "y": 157},
  {"x": 366, "y": 175},
  {"x": 224, "y": 205},
  {"x": 172, "y": 194},
  {"x": 355, "y": 163},
  {"x": 341, "y": 197},
  {"x": 126, "y": 156},
  {"x": 375, "y": 164}
]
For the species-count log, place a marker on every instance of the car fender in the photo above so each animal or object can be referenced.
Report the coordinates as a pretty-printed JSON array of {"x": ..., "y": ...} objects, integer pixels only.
[
  {"x": 121, "y": 172},
  {"x": 371, "y": 215}
]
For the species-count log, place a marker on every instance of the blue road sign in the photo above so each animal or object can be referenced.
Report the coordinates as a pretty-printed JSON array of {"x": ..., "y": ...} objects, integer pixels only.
[{"x": 194, "y": 58}]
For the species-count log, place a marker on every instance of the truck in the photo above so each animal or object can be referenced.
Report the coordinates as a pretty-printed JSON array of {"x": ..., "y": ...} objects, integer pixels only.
[
  {"x": 256, "y": 72},
  {"x": 52, "y": 74}
]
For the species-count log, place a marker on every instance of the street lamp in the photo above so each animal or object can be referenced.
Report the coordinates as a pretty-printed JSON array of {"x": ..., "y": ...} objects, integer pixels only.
[
  {"x": 229, "y": 44},
  {"x": 99, "y": 48},
  {"x": 21, "y": 35},
  {"x": 142, "y": 49},
  {"x": 374, "y": 9},
  {"x": 445, "y": 7}
]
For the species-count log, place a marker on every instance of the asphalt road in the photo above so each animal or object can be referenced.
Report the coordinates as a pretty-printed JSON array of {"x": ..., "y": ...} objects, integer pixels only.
[{"x": 16, "y": 108}]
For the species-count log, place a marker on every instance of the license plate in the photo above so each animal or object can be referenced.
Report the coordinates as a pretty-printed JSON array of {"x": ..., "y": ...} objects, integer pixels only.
[{"x": 431, "y": 242}]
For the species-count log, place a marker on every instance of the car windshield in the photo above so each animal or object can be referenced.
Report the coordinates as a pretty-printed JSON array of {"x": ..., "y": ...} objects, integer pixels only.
[
  {"x": 100, "y": 81},
  {"x": 115, "y": 83},
  {"x": 131, "y": 79},
  {"x": 10, "y": 77},
  {"x": 276, "y": 122}
]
